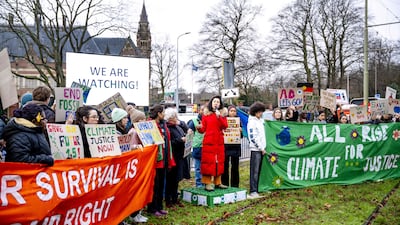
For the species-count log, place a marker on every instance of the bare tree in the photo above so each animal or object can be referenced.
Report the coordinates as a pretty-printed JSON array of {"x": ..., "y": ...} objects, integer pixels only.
[
  {"x": 320, "y": 39},
  {"x": 163, "y": 65},
  {"x": 227, "y": 34},
  {"x": 45, "y": 28}
]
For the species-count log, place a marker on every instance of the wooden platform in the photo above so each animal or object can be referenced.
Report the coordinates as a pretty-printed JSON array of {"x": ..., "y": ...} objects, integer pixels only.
[{"x": 199, "y": 196}]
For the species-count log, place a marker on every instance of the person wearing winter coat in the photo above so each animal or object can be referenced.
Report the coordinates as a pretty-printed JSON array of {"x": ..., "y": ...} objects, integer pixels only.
[
  {"x": 256, "y": 136},
  {"x": 25, "y": 138},
  {"x": 232, "y": 156},
  {"x": 175, "y": 174},
  {"x": 212, "y": 125},
  {"x": 165, "y": 161}
]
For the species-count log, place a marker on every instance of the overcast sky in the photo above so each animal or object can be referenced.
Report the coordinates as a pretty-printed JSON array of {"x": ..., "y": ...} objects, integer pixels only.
[{"x": 170, "y": 18}]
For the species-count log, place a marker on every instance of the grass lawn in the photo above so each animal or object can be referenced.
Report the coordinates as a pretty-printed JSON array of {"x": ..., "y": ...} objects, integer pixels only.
[{"x": 324, "y": 204}]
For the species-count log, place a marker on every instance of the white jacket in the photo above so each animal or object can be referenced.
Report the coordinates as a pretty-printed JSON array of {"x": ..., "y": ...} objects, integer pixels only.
[{"x": 256, "y": 133}]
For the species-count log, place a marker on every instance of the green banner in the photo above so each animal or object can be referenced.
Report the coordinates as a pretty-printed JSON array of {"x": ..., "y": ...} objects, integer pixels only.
[{"x": 306, "y": 154}]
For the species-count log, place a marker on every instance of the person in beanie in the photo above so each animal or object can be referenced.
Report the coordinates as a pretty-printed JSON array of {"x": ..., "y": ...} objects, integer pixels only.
[
  {"x": 24, "y": 136},
  {"x": 120, "y": 118},
  {"x": 232, "y": 156},
  {"x": 213, "y": 123},
  {"x": 256, "y": 136},
  {"x": 25, "y": 98}
]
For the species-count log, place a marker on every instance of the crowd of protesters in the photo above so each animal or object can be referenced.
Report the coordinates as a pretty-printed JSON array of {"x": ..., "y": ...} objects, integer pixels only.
[{"x": 216, "y": 163}]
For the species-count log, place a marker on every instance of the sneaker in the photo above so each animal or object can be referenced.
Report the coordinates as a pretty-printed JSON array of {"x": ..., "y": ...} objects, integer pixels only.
[
  {"x": 164, "y": 212},
  {"x": 209, "y": 187},
  {"x": 139, "y": 219},
  {"x": 142, "y": 217},
  {"x": 253, "y": 195},
  {"x": 221, "y": 186}
]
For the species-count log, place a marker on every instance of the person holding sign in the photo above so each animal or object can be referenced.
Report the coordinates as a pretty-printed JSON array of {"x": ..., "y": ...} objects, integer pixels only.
[
  {"x": 175, "y": 174},
  {"x": 256, "y": 135},
  {"x": 120, "y": 118},
  {"x": 165, "y": 161},
  {"x": 24, "y": 136},
  {"x": 213, "y": 154},
  {"x": 232, "y": 149},
  {"x": 277, "y": 114},
  {"x": 86, "y": 115}
]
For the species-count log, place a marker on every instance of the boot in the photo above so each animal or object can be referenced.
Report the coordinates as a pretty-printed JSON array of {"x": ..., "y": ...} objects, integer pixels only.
[{"x": 209, "y": 187}]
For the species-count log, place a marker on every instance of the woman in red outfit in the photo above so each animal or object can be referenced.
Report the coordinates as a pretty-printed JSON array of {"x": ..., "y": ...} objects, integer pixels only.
[{"x": 213, "y": 123}]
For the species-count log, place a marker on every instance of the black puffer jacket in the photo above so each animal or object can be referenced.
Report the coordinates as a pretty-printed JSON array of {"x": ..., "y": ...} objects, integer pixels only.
[{"x": 26, "y": 143}]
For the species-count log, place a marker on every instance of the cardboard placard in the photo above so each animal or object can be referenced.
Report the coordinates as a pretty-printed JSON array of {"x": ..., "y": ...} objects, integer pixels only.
[
  {"x": 68, "y": 100},
  {"x": 232, "y": 133},
  {"x": 106, "y": 107},
  {"x": 290, "y": 96},
  {"x": 102, "y": 140},
  {"x": 148, "y": 133},
  {"x": 65, "y": 141},
  {"x": 359, "y": 114}
]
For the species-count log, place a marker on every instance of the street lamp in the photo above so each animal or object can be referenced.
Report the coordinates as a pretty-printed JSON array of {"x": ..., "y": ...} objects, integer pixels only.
[{"x": 177, "y": 71}]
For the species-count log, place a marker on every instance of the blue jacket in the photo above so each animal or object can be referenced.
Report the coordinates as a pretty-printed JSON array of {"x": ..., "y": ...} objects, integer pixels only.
[{"x": 26, "y": 142}]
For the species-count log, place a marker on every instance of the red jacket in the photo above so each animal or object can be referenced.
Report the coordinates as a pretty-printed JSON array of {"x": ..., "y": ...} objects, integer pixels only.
[{"x": 213, "y": 153}]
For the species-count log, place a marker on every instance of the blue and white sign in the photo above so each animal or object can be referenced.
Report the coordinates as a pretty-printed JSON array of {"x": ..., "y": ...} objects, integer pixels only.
[{"x": 107, "y": 75}]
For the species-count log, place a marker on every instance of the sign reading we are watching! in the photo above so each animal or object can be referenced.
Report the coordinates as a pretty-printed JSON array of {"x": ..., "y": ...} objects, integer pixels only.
[{"x": 107, "y": 75}]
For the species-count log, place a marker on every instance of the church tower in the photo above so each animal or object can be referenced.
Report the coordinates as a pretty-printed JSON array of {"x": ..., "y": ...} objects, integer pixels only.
[{"x": 143, "y": 37}]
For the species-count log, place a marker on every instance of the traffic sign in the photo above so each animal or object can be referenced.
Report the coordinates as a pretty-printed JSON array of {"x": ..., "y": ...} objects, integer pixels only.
[{"x": 230, "y": 93}]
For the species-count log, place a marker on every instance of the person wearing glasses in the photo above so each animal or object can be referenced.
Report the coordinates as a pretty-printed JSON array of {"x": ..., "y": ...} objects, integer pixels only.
[
  {"x": 86, "y": 115},
  {"x": 24, "y": 137}
]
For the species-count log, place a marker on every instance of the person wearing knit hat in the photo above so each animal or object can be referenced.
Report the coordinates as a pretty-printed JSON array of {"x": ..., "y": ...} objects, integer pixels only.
[
  {"x": 119, "y": 117},
  {"x": 25, "y": 98},
  {"x": 24, "y": 135}
]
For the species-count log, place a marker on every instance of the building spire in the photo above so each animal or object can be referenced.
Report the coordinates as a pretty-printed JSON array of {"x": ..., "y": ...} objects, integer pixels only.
[{"x": 143, "y": 38}]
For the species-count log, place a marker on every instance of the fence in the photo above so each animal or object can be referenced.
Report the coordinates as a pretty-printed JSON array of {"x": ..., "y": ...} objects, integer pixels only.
[{"x": 245, "y": 149}]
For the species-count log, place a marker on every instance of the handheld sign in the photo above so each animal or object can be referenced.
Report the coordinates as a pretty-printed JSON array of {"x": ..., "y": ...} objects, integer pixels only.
[
  {"x": 102, "y": 140},
  {"x": 379, "y": 107},
  {"x": 290, "y": 96},
  {"x": 311, "y": 103},
  {"x": 125, "y": 142},
  {"x": 148, "y": 133},
  {"x": 390, "y": 92},
  {"x": 359, "y": 114},
  {"x": 328, "y": 100},
  {"x": 188, "y": 144},
  {"x": 232, "y": 133},
  {"x": 68, "y": 101},
  {"x": 65, "y": 141},
  {"x": 393, "y": 106},
  {"x": 84, "y": 88},
  {"x": 8, "y": 88},
  {"x": 106, "y": 107}
]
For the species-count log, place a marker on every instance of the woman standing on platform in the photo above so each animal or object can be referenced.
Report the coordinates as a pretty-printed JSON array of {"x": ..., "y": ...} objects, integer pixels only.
[{"x": 213, "y": 154}]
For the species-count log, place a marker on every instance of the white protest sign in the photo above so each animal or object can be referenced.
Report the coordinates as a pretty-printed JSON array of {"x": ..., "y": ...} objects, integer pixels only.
[
  {"x": 188, "y": 144},
  {"x": 341, "y": 95},
  {"x": 290, "y": 96},
  {"x": 390, "y": 92},
  {"x": 393, "y": 106},
  {"x": 65, "y": 141},
  {"x": 106, "y": 75},
  {"x": 8, "y": 88},
  {"x": 68, "y": 100},
  {"x": 232, "y": 133},
  {"x": 328, "y": 100},
  {"x": 358, "y": 114},
  {"x": 102, "y": 140},
  {"x": 378, "y": 107}
]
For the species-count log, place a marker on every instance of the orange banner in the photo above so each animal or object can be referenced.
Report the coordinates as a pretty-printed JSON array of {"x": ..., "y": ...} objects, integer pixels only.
[{"x": 77, "y": 191}]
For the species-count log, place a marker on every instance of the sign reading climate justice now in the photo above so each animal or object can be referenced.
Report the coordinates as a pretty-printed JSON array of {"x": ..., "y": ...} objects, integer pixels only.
[
  {"x": 65, "y": 141},
  {"x": 102, "y": 140},
  {"x": 306, "y": 154},
  {"x": 106, "y": 75},
  {"x": 81, "y": 191}
]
